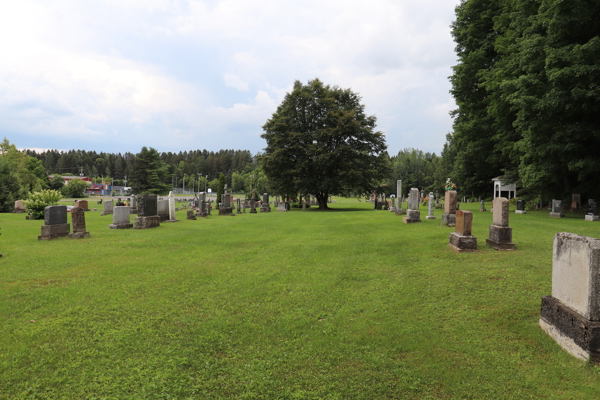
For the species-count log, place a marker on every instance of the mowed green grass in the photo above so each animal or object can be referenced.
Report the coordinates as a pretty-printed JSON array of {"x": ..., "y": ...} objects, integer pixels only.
[{"x": 344, "y": 304}]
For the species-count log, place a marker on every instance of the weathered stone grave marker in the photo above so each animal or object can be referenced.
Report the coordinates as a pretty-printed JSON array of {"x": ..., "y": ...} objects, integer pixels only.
[
  {"x": 462, "y": 240},
  {"x": 499, "y": 234},
  {"x": 147, "y": 216},
  {"x": 571, "y": 316},
  {"x": 430, "y": 206},
  {"x": 172, "y": 209},
  {"x": 78, "y": 222},
  {"x": 108, "y": 208},
  {"x": 413, "y": 214},
  {"x": 55, "y": 223},
  {"x": 449, "y": 216},
  {"x": 557, "y": 209},
  {"x": 120, "y": 218}
]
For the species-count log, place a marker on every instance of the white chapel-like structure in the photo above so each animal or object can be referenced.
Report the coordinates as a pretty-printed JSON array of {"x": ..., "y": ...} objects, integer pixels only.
[{"x": 503, "y": 189}]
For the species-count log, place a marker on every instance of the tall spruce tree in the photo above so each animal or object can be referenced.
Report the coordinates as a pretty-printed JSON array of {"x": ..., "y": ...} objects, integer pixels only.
[{"x": 149, "y": 173}]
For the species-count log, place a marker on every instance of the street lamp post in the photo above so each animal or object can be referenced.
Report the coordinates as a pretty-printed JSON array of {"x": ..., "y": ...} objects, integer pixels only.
[
  {"x": 199, "y": 181},
  {"x": 184, "y": 175}
]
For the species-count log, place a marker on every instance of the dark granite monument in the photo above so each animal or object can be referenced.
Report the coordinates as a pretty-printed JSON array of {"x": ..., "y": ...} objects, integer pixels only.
[
  {"x": 147, "y": 216},
  {"x": 55, "y": 223}
]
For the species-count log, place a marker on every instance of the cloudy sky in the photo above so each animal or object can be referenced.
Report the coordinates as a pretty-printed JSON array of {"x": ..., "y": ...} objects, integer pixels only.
[{"x": 116, "y": 75}]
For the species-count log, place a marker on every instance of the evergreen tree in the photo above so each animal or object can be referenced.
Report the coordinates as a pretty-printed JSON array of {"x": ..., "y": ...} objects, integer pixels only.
[{"x": 149, "y": 173}]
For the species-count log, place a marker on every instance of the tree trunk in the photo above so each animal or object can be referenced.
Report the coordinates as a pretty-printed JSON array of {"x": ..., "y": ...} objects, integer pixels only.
[{"x": 322, "y": 200}]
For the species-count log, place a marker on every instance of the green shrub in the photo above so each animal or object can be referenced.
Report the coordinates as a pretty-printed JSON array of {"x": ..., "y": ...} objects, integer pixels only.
[
  {"x": 75, "y": 189},
  {"x": 37, "y": 201}
]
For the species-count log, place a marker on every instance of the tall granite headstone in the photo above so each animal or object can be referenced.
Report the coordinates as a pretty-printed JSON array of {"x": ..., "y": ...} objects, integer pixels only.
[
  {"x": 147, "y": 216},
  {"x": 413, "y": 214},
  {"x": 499, "y": 234},
  {"x": 462, "y": 240},
  {"x": 449, "y": 216},
  {"x": 55, "y": 223},
  {"x": 571, "y": 316},
  {"x": 172, "y": 209},
  {"x": 253, "y": 204},
  {"x": 162, "y": 209},
  {"x": 264, "y": 206},
  {"x": 520, "y": 207},
  {"x": 238, "y": 206},
  {"x": 430, "y": 206},
  {"x": 108, "y": 208},
  {"x": 482, "y": 206},
  {"x": 78, "y": 222},
  {"x": 557, "y": 209}
]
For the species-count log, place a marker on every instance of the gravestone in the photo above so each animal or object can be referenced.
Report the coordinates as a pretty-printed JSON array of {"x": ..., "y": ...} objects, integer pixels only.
[
  {"x": 225, "y": 208},
  {"x": 557, "y": 210},
  {"x": 172, "y": 209},
  {"x": 120, "y": 218},
  {"x": 55, "y": 223},
  {"x": 413, "y": 214},
  {"x": 162, "y": 209},
  {"x": 238, "y": 206},
  {"x": 449, "y": 215},
  {"x": 592, "y": 214},
  {"x": 264, "y": 206},
  {"x": 253, "y": 204},
  {"x": 19, "y": 207},
  {"x": 499, "y": 234},
  {"x": 82, "y": 204},
  {"x": 108, "y": 208},
  {"x": 281, "y": 206},
  {"x": 575, "y": 202},
  {"x": 304, "y": 203},
  {"x": 147, "y": 216},
  {"x": 201, "y": 206},
  {"x": 78, "y": 222},
  {"x": 430, "y": 207},
  {"x": 399, "y": 189},
  {"x": 520, "y": 207},
  {"x": 571, "y": 315},
  {"x": 482, "y": 206},
  {"x": 462, "y": 240},
  {"x": 191, "y": 215},
  {"x": 133, "y": 205}
]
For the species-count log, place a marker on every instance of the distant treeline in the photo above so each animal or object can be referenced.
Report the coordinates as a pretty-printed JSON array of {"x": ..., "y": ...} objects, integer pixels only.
[{"x": 118, "y": 166}]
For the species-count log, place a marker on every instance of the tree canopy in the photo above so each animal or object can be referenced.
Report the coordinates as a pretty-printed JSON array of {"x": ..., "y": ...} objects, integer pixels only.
[
  {"x": 320, "y": 141},
  {"x": 150, "y": 173},
  {"x": 527, "y": 90}
]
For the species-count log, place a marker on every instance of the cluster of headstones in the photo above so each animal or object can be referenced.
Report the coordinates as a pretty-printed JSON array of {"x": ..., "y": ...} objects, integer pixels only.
[{"x": 56, "y": 225}]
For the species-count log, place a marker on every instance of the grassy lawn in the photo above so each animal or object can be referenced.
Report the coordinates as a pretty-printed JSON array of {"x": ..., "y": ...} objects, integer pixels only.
[{"x": 345, "y": 304}]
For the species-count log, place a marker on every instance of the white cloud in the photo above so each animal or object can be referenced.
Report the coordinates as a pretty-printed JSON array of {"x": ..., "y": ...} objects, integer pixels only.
[
  {"x": 236, "y": 82},
  {"x": 150, "y": 72}
]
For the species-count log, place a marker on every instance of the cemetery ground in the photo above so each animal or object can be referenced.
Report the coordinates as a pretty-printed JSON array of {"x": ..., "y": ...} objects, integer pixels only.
[{"x": 342, "y": 304}]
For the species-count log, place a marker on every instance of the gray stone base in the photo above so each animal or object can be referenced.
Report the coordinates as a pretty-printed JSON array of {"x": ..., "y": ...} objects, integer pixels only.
[
  {"x": 392, "y": 209},
  {"x": 264, "y": 209},
  {"x": 202, "y": 214},
  {"x": 79, "y": 235},
  {"x": 592, "y": 217},
  {"x": 172, "y": 220},
  {"x": 401, "y": 211},
  {"x": 576, "y": 334},
  {"x": 18, "y": 211},
  {"x": 239, "y": 212},
  {"x": 449, "y": 219},
  {"x": 460, "y": 243},
  {"x": 556, "y": 215},
  {"x": 500, "y": 238},
  {"x": 121, "y": 226},
  {"x": 428, "y": 217},
  {"x": 49, "y": 232},
  {"x": 225, "y": 210},
  {"x": 253, "y": 211},
  {"x": 106, "y": 213},
  {"x": 520, "y": 212},
  {"x": 163, "y": 218},
  {"x": 147, "y": 222},
  {"x": 133, "y": 210}
]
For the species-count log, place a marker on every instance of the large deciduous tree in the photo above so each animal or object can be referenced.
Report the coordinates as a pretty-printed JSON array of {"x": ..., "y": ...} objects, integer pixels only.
[
  {"x": 149, "y": 173},
  {"x": 320, "y": 141}
]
